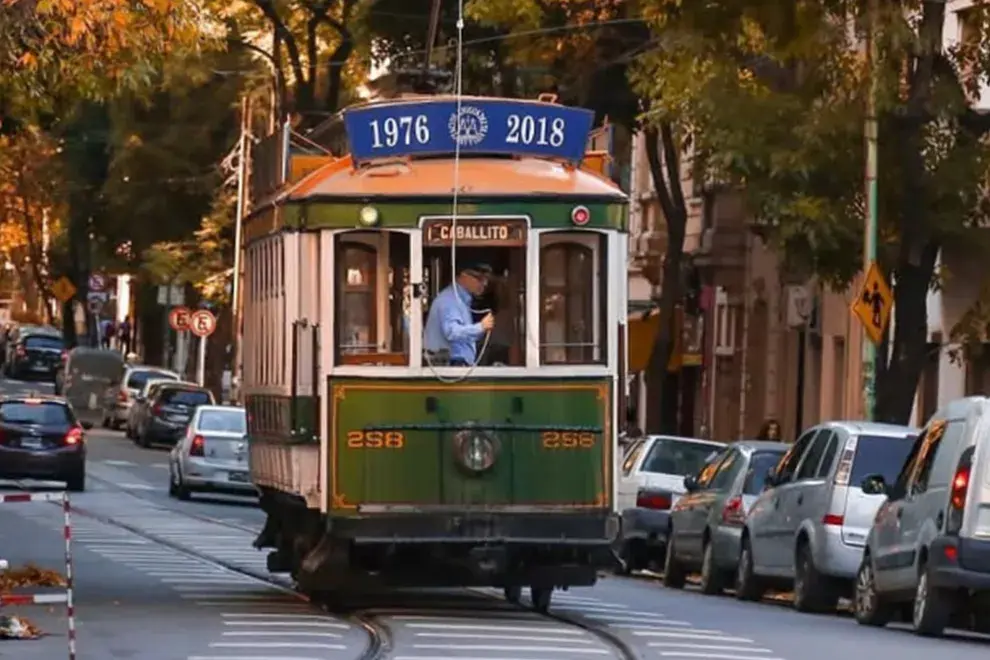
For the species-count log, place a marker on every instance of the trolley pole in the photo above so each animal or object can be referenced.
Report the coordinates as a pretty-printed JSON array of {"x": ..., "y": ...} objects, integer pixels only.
[{"x": 870, "y": 226}]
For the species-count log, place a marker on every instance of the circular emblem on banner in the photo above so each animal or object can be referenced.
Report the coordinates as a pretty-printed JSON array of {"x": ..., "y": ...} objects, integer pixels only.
[
  {"x": 475, "y": 450},
  {"x": 468, "y": 127}
]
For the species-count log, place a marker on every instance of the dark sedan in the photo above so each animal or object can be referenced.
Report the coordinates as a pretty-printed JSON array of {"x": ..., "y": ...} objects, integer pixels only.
[
  {"x": 169, "y": 411},
  {"x": 40, "y": 438},
  {"x": 36, "y": 356}
]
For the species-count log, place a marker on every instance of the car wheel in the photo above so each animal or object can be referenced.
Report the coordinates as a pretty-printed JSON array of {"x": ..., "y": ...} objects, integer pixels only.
[
  {"x": 932, "y": 608},
  {"x": 142, "y": 438},
  {"x": 748, "y": 584},
  {"x": 513, "y": 593},
  {"x": 812, "y": 592},
  {"x": 76, "y": 482},
  {"x": 868, "y": 606},
  {"x": 115, "y": 424},
  {"x": 674, "y": 574},
  {"x": 176, "y": 488},
  {"x": 712, "y": 577},
  {"x": 541, "y": 597},
  {"x": 105, "y": 423}
]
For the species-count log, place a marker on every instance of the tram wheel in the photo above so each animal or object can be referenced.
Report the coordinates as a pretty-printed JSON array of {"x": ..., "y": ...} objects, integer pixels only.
[
  {"x": 513, "y": 593},
  {"x": 541, "y": 597}
]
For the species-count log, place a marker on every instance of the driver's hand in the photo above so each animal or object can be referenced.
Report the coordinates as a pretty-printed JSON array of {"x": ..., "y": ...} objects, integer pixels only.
[{"x": 488, "y": 322}]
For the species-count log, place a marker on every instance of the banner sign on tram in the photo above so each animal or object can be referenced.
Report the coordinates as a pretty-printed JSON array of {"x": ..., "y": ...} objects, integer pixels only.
[{"x": 483, "y": 126}]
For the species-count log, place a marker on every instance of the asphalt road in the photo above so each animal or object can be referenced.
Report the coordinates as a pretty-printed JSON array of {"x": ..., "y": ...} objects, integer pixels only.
[{"x": 132, "y": 592}]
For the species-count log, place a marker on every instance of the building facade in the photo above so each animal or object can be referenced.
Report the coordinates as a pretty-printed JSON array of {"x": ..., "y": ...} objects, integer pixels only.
[{"x": 774, "y": 348}]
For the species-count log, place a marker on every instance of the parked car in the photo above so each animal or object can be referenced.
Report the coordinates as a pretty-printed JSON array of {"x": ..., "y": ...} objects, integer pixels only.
[
  {"x": 40, "y": 438},
  {"x": 84, "y": 374},
  {"x": 118, "y": 398},
  {"x": 140, "y": 405},
  {"x": 706, "y": 524},
  {"x": 35, "y": 354},
  {"x": 808, "y": 530},
  {"x": 169, "y": 409},
  {"x": 928, "y": 549},
  {"x": 212, "y": 454},
  {"x": 651, "y": 479}
]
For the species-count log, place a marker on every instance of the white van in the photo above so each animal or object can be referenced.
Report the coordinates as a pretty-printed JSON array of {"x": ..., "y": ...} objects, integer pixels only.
[{"x": 928, "y": 552}]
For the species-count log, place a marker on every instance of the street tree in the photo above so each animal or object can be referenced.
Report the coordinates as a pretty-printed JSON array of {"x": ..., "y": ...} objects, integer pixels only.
[{"x": 774, "y": 97}]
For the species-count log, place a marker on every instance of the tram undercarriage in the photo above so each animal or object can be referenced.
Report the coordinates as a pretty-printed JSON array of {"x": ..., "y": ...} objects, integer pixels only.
[{"x": 340, "y": 554}]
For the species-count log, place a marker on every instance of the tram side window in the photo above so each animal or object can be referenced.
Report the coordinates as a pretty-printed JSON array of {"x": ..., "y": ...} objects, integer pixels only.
[
  {"x": 372, "y": 292},
  {"x": 572, "y": 298}
]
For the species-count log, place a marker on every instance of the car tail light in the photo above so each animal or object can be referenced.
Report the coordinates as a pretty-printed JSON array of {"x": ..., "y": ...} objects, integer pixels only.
[
  {"x": 846, "y": 462},
  {"x": 122, "y": 396},
  {"x": 65, "y": 356},
  {"x": 958, "y": 490},
  {"x": 833, "y": 520},
  {"x": 20, "y": 351},
  {"x": 733, "y": 512},
  {"x": 197, "y": 446},
  {"x": 74, "y": 436},
  {"x": 652, "y": 500},
  {"x": 156, "y": 409}
]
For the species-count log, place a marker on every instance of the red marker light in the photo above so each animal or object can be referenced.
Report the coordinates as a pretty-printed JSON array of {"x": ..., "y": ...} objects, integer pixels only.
[{"x": 580, "y": 215}]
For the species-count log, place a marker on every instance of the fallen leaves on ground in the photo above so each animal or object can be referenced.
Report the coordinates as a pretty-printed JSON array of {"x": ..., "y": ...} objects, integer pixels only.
[
  {"x": 30, "y": 576},
  {"x": 17, "y": 627}
]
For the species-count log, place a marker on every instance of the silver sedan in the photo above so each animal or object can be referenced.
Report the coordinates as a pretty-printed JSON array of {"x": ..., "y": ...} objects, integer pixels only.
[{"x": 212, "y": 455}]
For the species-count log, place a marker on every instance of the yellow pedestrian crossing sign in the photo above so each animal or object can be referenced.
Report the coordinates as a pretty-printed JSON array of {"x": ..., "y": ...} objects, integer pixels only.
[
  {"x": 873, "y": 303},
  {"x": 63, "y": 289}
]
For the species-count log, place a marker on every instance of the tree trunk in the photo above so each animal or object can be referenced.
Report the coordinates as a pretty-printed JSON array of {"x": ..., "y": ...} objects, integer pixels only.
[{"x": 665, "y": 173}]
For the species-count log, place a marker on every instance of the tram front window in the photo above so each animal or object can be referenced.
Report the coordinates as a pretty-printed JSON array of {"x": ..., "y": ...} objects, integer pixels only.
[
  {"x": 490, "y": 272},
  {"x": 372, "y": 298},
  {"x": 572, "y": 298}
]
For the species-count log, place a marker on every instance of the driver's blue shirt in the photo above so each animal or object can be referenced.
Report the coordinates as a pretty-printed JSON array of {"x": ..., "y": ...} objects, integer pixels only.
[{"x": 449, "y": 325}]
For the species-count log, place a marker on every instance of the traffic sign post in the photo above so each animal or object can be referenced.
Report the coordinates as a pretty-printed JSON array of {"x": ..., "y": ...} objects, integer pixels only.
[
  {"x": 873, "y": 304},
  {"x": 202, "y": 323},
  {"x": 97, "y": 282},
  {"x": 64, "y": 289},
  {"x": 178, "y": 318}
]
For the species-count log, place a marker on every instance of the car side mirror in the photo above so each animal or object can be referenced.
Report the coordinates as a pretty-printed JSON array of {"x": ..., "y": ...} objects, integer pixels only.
[
  {"x": 87, "y": 425},
  {"x": 690, "y": 483},
  {"x": 874, "y": 484}
]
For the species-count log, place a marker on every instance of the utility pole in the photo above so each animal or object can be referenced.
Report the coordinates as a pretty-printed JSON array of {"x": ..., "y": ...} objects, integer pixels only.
[
  {"x": 870, "y": 225},
  {"x": 244, "y": 149}
]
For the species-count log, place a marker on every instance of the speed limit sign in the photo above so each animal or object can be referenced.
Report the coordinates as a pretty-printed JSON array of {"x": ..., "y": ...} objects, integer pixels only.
[{"x": 202, "y": 323}]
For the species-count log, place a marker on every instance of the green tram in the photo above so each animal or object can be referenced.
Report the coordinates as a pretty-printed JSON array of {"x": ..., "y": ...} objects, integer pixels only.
[{"x": 380, "y": 462}]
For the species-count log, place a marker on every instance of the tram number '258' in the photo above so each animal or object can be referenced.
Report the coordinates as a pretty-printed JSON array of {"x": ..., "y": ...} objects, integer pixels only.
[
  {"x": 567, "y": 440},
  {"x": 376, "y": 439},
  {"x": 527, "y": 130}
]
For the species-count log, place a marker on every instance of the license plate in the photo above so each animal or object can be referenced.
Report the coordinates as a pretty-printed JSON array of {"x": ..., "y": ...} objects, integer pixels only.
[
  {"x": 178, "y": 418},
  {"x": 238, "y": 477},
  {"x": 31, "y": 443},
  {"x": 39, "y": 367}
]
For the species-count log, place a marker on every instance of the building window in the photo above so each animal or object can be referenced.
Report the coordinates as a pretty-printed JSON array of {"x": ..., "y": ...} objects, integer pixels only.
[{"x": 572, "y": 301}]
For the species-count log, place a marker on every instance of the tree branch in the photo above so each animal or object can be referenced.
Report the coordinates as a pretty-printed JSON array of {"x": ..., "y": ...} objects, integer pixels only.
[
  {"x": 340, "y": 55},
  {"x": 267, "y": 7},
  {"x": 672, "y": 159}
]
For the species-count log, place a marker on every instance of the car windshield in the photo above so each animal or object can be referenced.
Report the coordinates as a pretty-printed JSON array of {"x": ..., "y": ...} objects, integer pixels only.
[
  {"x": 682, "y": 457},
  {"x": 137, "y": 379},
  {"x": 223, "y": 421},
  {"x": 880, "y": 454},
  {"x": 43, "y": 414},
  {"x": 186, "y": 397},
  {"x": 41, "y": 341},
  {"x": 759, "y": 467}
]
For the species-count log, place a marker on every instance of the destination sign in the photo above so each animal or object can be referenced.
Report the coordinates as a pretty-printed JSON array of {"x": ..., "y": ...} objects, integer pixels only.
[
  {"x": 483, "y": 126},
  {"x": 507, "y": 233}
]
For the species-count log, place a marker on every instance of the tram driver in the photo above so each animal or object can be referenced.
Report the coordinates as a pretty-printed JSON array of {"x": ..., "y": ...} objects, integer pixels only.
[{"x": 450, "y": 326}]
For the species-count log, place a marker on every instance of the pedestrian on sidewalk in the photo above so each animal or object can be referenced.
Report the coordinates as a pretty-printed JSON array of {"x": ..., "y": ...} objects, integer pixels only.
[
  {"x": 109, "y": 329},
  {"x": 770, "y": 431},
  {"x": 124, "y": 333}
]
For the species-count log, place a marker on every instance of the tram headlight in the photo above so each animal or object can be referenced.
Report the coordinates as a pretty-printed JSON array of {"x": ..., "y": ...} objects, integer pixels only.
[
  {"x": 475, "y": 450},
  {"x": 368, "y": 216}
]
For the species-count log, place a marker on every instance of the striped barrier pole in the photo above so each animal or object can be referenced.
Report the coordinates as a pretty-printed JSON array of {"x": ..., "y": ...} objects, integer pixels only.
[{"x": 69, "y": 605}]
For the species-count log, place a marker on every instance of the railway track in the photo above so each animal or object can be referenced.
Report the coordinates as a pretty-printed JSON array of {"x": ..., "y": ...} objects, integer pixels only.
[{"x": 379, "y": 615}]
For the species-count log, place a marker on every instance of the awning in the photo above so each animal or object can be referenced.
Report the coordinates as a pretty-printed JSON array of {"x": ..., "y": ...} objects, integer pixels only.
[{"x": 643, "y": 326}]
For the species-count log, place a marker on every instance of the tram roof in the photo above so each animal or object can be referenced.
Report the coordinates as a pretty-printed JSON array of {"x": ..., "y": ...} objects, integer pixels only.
[{"x": 490, "y": 177}]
